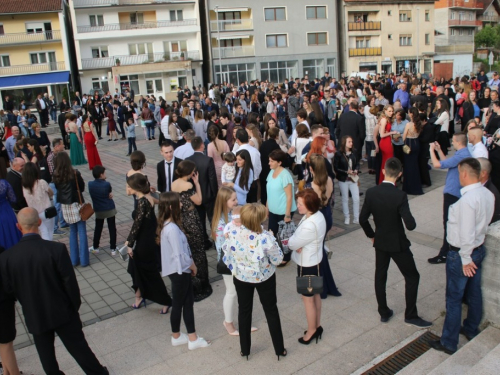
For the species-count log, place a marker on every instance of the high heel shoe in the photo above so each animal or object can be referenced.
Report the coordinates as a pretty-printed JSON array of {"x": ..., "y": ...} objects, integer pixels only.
[
  {"x": 234, "y": 333},
  {"x": 315, "y": 335},
  {"x": 246, "y": 355},
  {"x": 282, "y": 354},
  {"x": 140, "y": 304},
  {"x": 318, "y": 329},
  {"x": 164, "y": 312}
]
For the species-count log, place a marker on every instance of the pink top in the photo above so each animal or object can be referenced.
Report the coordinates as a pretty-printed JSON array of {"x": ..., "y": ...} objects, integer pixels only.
[{"x": 40, "y": 199}]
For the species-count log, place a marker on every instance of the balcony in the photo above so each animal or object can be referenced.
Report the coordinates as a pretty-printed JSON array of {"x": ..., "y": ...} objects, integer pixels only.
[
  {"x": 104, "y": 3},
  {"x": 464, "y": 23},
  {"x": 472, "y": 4},
  {"x": 493, "y": 19},
  {"x": 455, "y": 49},
  {"x": 231, "y": 25},
  {"x": 29, "y": 38},
  {"x": 148, "y": 58},
  {"x": 369, "y": 51},
  {"x": 364, "y": 26},
  {"x": 32, "y": 68},
  {"x": 230, "y": 52},
  {"x": 135, "y": 26}
]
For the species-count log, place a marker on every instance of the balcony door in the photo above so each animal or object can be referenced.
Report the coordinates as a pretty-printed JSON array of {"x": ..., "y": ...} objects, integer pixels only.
[{"x": 155, "y": 87}]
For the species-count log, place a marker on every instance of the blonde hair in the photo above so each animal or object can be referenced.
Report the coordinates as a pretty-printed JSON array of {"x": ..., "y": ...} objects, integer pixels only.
[
  {"x": 220, "y": 207},
  {"x": 255, "y": 132},
  {"x": 252, "y": 215},
  {"x": 185, "y": 112}
]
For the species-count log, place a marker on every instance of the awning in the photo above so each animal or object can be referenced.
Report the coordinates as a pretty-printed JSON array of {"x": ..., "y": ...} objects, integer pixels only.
[{"x": 34, "y": 80}]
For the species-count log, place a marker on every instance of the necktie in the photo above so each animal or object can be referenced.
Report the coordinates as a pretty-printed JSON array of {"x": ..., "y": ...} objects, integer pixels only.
[{"x": 169, "y": 177}]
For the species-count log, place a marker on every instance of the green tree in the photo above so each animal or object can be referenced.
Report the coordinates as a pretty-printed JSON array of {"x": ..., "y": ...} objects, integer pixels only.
[{"x": 487, "y": 37}]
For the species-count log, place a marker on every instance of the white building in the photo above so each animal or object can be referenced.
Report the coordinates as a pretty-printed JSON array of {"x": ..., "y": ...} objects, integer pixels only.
[{"x": 148, "y": 46}]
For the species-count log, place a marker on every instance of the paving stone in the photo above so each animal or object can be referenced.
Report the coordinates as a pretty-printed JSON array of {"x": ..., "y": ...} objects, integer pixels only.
[
  {"x": 97, "y": 305},
  {"x": 100, "y": 285},
  {"x": 112, "y": 299},
  {"x": 106, "y": 292},
  {"x": 92, "y": 298}
]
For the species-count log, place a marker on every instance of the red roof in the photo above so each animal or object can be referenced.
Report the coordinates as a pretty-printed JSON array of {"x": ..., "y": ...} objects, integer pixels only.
[{"x": 29, "y": 6}]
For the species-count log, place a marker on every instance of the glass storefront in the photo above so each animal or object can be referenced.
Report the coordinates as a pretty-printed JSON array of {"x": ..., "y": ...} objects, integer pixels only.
[
  {"x": 278, "y": 71},
  {"x": 314, "y": 68},
  {"x": 235, "y": 73}
]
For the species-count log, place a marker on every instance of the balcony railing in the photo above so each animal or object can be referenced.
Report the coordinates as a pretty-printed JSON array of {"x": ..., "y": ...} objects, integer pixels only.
[
  {"x": 26, "y": 38},
  {"x": 135, "y": 26},
  {"x": 369, "y": 51},
  {"x": 455, "y": 48},
  {"x": 363, "y": 26},
  {"x": 463, "y": 4},
  {"x": 32, "y": 68},
  {"x": 231, "y": 25},
  {"x": 471, "y": 23},
  {"x": 98, "y": 3},
  {"x": 443, "y": 40},
  {"x": 489, "y": 18},
  {"x": 229, "y": 52},
  {"x": 148, "y": 58}
]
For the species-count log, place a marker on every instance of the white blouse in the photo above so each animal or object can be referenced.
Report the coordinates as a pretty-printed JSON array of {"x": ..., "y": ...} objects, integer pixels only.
[
  {"x": 444, "y": 121},
  {"x": 309, "y": 236}
]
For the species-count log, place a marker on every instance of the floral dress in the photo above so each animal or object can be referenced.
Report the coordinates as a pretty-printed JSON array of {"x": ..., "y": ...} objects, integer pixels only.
[{"x": 194, "y": 232}]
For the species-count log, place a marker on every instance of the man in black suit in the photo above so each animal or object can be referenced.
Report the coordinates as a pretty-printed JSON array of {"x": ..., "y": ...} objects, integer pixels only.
[
  {"x": 14, "y": 178},
  {"x": 210, "y": 106},
  {"x": 128, "y": 111},
  {"x": 61, "y": 121},
  {"x": 43, "y": 109},
  {"x": 352, "y": 124},
  {"x": 97, "y": 114},
  {"x": 208, "y": 183},
  {"x": 40, "y": 275},
  {"x": 165, "y": 169},
  {"x": 389, "y": 205},
  {"x": 485, "y": 179}
]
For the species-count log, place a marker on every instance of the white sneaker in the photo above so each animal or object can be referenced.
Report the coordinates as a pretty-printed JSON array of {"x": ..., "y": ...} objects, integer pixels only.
[
  {"x": 181, "y": 340},
  {"x": 200, "y": 342},
  {"x": 93, "y": 251},
  {"x": 346, "y": 221},
  {"x": 113, "y": 252},
  {"x": 355, "y": 221}
]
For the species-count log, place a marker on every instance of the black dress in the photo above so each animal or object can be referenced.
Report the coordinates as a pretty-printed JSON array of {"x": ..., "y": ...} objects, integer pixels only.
[
  {"x": 194, "y": 232},
  {"x": 329, "y": 286},
  {"x": 144, "y": 265},
  {"x": 412, "y": 184}
]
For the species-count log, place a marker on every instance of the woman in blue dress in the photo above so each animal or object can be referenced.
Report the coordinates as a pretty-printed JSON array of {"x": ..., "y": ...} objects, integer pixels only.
[{"x": 9, "y": 234}]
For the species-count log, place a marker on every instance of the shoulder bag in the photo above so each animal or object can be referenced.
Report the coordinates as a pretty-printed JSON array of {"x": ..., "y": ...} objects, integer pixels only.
[
  {"x": 86, "y": 210},
  {"x": 309, "y": 284}
]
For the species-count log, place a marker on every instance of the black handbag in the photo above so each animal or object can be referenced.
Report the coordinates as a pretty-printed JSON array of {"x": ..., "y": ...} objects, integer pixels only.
[
  {"x": 309, "y": 284},
  {"x": 50, "y": 212},
  {"x": 222, "y": 267}
]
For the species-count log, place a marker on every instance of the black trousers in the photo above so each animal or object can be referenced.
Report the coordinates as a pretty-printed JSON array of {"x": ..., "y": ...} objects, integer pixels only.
[
  {"x": 398, "y": 153},
  {"x": 44, "y": 117},
  {"x": 205, "y": 210},
  {"x": 252, "y": 193},
  {"x": 99, "y": 224},
  {"x": 448, "y": 200},
  {"x": 263, "y": 188},
  {"x": 423, "y": 161},
  {"x": 182, "y": 302},
  {"x": 98, "y": 125},
  {"x": 71, "y": 335},
  {"x": 267, "y": 296},
  {"x": 406, "y": 264}
]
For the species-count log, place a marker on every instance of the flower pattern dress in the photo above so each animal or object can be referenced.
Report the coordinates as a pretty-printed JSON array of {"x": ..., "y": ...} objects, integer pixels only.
[
  {"x": 194, "y": 232},
  {"x": 252, "y": 257},
  {"x": 220, "y": 238}
]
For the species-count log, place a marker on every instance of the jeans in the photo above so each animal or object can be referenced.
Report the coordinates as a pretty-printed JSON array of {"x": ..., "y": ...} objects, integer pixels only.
[
  {"x": 53, "y": 115},
  {"x": 78, "y": 244},
  {"x": 59, "y": 218},
  {"x": 282, "y": 123},
  {"x": 457, "y": 284},
  {"x": 131, "y": 144},
  {"x": 99, "y": 223},
  {"x": 370, "y": 145},
  {"x": 345, "y": 187},
  {"x": 294, "y": 122},
  {"x": 150, "y": 126}
]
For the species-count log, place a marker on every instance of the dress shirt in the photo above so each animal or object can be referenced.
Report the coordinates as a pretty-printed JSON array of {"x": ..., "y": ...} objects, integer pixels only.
[
  {"x": 164, "y": 126},
  {"x": 382, "y": 101},
  {"x": 309, "y": 236},
  {"x": 452, "y": 184},
  {"x": 9, "y": 145},
  {"x": 175, "y": 252},
  {"x": 399, "y": 127},
  {"x": 169, "y": 165},
  {"x": 255, "y": 156},
  {"x": 42, "y": 103},
  {"x": 404, "y": 97},
  {"x": 468, "y": 219},
  {"x": 184, "y": 151},
  {"x": 478, "y": 150}
]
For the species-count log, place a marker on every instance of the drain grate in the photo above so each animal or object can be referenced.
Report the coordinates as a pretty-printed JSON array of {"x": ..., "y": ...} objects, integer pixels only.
[{"x": 403, "y": 357}]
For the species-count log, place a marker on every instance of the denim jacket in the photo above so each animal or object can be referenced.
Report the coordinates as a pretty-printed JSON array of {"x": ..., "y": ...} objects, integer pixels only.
[{"x": 99, "y": 191}]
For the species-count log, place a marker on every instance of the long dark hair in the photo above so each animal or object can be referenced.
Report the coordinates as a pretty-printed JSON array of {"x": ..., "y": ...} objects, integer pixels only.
[
  {"x": 343, "y": 143},
  {"x": 245, "y": 173},
  {"x": 63, "y": 170},
  {"x": 30, "y": 176},
  {"x": 415, "y": 118},
  {"x": 169, "y": 207},
  {"x": 38, "y": 150}
]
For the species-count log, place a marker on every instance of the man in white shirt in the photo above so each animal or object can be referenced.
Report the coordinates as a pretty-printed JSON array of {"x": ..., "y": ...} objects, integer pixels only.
[
  {"x": 301, "y": 119},
  {"x": 164, "y": 126},
  {"x": 211, "y": 93},
  {"x": 186, "y": 150},
  {"x": 242, "y": 141},
  {"x": 468, "y": 222},
  {"x": 476, "y": 145}
]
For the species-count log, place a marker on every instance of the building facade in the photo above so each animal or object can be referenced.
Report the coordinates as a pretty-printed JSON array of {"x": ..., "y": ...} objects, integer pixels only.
[
  {"x": 147, "y": 46},
  {"x": 34, "y": 49},
  {"x": 489, "y": 14},
  {"x": 271, "y": 40},
  {"x": 387, "y": 37}
]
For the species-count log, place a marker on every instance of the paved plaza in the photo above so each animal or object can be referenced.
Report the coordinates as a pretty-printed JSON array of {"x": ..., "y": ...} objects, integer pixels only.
[{"x": 138, "y": 342}]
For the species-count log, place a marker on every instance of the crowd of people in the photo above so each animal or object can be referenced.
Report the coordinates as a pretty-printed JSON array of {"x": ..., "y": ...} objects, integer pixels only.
[{"x": 236, "y": 156}]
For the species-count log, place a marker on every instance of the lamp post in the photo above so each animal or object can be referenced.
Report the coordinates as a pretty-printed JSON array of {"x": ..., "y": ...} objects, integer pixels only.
[
  {"x": 218, "y": 42},
  {"x": 418, "y": 36}
]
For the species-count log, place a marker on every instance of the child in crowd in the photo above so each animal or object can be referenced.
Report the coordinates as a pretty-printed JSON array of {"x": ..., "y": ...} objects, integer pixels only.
[
  {"x": 130, "y": 129},
  {"x": 228, "y": 169},
  {"x": 102, "y": 200}
]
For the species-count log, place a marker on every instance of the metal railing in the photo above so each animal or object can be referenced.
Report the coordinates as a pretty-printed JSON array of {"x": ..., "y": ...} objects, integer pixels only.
[
  {"x": 362, "y": 26},
  {"x": 33, "y": 68},
  {"x": 484, "y": 18},
  {"x": 369, "y": 51},
  {"x": 463, "y": 4},
  {"x": 443, "y": 40},
  {"x": 472, "y": 23},
  {"x": 135, "y": 26},
  {"x": 229, "y": 52},
  {"x": 94, "y": 3},
  {"x": 148, "y": 58},
  {"x": 455, "y": 48},
  {"x": 22, "y": 38},
  {"x": 231, "y": 25}
]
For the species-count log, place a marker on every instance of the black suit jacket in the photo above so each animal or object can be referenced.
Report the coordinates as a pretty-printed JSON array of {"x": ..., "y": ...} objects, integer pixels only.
[
  {"x": 162, "y": 178},
  {"x": 40, "y": 275},
  {"x": 206, "y": 176},
  {"x": 213, "y": 107},
  {"x": 183, "y": 124},
  {"x": 15, "y": 180},
  {"x": 491, "y": 187},
  {"x": 97, "y": 116},
  {"x": 352, "y": 124},
  {"x": 388, "y": 205}
]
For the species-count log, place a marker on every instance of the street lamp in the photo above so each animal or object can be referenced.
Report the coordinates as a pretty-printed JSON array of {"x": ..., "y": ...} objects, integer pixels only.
[
  {"x": 418, "y": 37},
  {"x": 218, "y": 39}
]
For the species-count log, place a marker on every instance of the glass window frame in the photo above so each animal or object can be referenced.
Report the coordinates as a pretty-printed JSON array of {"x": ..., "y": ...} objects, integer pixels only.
[
  {"x": 276, "y": 39},
  {"x": 275, "y": 14},
  {"x": 315, "y": 7},
  {"x": 316, "y": 37}
]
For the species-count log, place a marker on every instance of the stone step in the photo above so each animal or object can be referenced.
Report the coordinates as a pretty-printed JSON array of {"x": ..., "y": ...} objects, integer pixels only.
[
  {"x": 489, "y": 365},
  {"x": 470, "y": 354},
  {"x": 425, "y": 363}
]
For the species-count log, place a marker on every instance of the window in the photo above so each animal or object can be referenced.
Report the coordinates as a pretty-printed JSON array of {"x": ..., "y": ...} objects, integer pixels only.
[
  {"x": 470, "y": 32},
  {"x": 96, "y": 20},
  {"x": 42, "y": 57},
  {"x": 405, "y": 16},
  {"x": 452, "y": 31},
  {"x": 4, "y": 60},
  {"x": 278, "y": 71},
  {"x": 36, "y": 27},
  {"x": 231, "y": 43},
  {"x": 363, "y": 42},
  {"x": 452, "y": 15},
  {"x": 316, "y": 39},
  {"x": 331, "y": 65},
  {"x": 1, "y": 29},
  {"x": 100, "y": 51},
  {"x": 427, "y": 16},
  {"x": 100, "y": 83},
  {"x": 137, "y": 18},
  {"x": 130, "y": 82},
  {"x": 176, "y": 15},
  {"x": 140, "y": 48},
  {"x": 275, "y": 14},
  {"x": 427, "y": 66},
  {"x": 427, "y": 39},
  {"x": 389, "y": 12},
  {"x": 313, "y": 13},
  {"x": 173, "y": 50},
  {"x": 405, "y": 40},
  {"x": 471, "y": 16},
  {"x": 460, "y": 31},
  {"x": 235, "y": 73},
  {"x": 314, "y": 68},
  {"x": 389, "y": 36},
  {"x": 276, "y": 41}
]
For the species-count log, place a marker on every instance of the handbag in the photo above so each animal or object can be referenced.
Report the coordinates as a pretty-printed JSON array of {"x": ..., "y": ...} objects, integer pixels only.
[
  {"x": 50, "y": 212},
  {"x": 309, "y": 284},
  {"x": 285, "y": 231},
  {"x": 124, "y": 253},
  {"x": 406, "y": 149},
  {"x": 86, "y": 210},
  {"x": 221, "y": 266}
]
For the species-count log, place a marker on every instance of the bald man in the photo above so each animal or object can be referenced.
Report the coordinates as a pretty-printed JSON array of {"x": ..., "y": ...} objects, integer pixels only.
[
  {"x": 476, "y": 145},
  {"x": 40, "y": 275},
  {"x": 11, "y": 142},
  {"x": 15, "y": 180},
  {"x": 484, "y": 178}
]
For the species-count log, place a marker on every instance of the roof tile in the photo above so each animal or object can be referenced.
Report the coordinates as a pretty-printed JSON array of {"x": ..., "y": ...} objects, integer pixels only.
[{"x": 29, "y": 6}]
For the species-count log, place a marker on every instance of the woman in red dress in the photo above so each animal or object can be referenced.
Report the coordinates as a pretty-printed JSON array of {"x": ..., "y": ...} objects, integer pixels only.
[
  {"x": 385, "y": 143},
  {"x": 90, "y": 138},
  {"x": 111, "y": 125}
]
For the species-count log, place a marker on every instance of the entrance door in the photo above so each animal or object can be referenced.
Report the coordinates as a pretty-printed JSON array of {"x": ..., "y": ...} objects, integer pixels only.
[
  {"x": 224, "y": 78},
  {"x": 155, "y": 87},
  {"x": 182, "y": 82}
]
